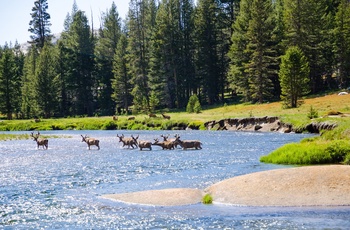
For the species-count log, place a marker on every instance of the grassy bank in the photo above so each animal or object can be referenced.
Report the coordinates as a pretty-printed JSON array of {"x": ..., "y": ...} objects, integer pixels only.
[
  {"x": 324, "y": 105},
  {"x": 331, "y": 147}
]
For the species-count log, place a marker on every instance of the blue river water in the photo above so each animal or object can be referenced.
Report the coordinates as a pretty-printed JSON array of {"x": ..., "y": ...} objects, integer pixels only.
[{"x": 61, "y": 188}]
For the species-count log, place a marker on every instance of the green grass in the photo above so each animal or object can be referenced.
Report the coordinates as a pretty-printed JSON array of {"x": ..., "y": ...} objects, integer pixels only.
[{"x": 331, "y": 147}]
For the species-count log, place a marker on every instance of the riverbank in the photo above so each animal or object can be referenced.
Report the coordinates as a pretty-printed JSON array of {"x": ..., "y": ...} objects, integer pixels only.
[{"x": 301, "y": 186}]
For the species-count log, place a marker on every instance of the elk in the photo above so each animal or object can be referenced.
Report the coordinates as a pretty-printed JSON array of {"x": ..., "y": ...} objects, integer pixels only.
[
  {"x": 40, "y": 141},
  {"x": 143, "y": 144},
  {"x": 131, "y": 118},
  {"x": 166, "y": 116},
  {"x": 115, "y": 118},
  {"x": 188, "y": 144},
  {"x": 164, "y": 144},
  {"x": 90, "y": 141},
  {"x": 129, "y": 141},
  {"x": 152, "y": 115},
  {"x": 166, "y": 138}
]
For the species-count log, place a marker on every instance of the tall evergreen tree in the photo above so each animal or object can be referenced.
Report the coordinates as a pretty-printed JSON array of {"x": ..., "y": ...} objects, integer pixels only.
[
  {"x": 159, "y": 62},
  {"x": 19, "y": 63},
  {"x": 40, "y": 23},
  {"x": 45, "y": 82},
  {"x": 237, "y": 77},
  {"x": 8, "y": 83},
  {"x": 188, "y": 85},
  {"x": 306, "y": 26},
  {"x": 121, "y": 83},
  {"x": 140, "y": 23},
  {"x": 28, "y": 104},
  {"x": 78, "y": 48},
  {"x": 342, "y": 43},
  {"x": 261, "y": 50},
  {"x": 207, "y": 63},
  {"x": 294, "y": 78},
  {"x": 227, "y": 13},
  {"x": 172, "y": 66},
  {"x": 109, "y": 35}
]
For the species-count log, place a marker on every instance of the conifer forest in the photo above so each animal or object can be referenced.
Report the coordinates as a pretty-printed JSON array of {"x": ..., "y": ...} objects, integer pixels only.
[{"x": 165, "y": 51}]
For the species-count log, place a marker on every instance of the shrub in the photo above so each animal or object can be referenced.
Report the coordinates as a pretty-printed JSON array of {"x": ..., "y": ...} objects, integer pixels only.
[
  {"x": 312, "y": 113},
  {"x": 207, "y": 199}
]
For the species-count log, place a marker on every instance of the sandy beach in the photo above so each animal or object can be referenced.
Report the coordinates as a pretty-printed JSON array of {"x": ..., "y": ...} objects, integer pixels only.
[{"x": 327, "y": 185}]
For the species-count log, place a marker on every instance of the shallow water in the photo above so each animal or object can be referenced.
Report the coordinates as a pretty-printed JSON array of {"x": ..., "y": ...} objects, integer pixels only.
[{"x": 61, "y": 187}]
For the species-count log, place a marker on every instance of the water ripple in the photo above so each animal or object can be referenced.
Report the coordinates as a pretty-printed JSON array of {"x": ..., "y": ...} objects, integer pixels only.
[{"x": 61, "y": 187}]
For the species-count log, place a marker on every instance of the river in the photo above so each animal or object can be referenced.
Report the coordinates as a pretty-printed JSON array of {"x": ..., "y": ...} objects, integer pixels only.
[{"x": 61, "y": 188}]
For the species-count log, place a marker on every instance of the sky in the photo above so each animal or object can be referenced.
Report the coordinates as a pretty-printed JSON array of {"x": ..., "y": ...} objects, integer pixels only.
[{"x": 15, "y": 15}]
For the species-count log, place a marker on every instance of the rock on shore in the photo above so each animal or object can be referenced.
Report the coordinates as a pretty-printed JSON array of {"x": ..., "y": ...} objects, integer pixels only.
[{"x": 265, "y": 124}]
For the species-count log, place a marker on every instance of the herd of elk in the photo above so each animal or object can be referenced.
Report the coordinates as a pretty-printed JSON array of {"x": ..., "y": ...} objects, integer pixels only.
[
  {"x": 40, "y": 141},
  {"x": 133, "y": 142}
]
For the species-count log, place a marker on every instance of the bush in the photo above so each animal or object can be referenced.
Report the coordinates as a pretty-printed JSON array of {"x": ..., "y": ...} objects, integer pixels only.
[
  {"x": 312, "y": 113},
  {"x": 207, "y": 199}
]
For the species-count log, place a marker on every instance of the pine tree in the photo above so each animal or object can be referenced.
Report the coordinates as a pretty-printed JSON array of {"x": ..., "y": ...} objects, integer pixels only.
[
  {"x": 19, "y": 63},
  {"x": 207, "y": 60},
  {"x": 342, "y": 43},
  {"x": 8, "y": 83},
  {"x": 28, "y": 103},
  {"x": 188, "y": 85},
  {"x": 238, "y": 78},
  {"x": 78, "y": 46},
  {"x": 227, "y": 13},
  {"x": 159, "y": 54},
  {"x": 40, "y": 24},
  {"x": 45, "y": 82},
  {"x": 140, "y": 24},
  {"x": 294, "y": 72},
  {"x": 171, "y": 60},
  {"x": 306, "y": 27},
  {"x": 261, "y": 50},
  {"x": 121, "y": 83},
  {"x": 109, "y": 35}
]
